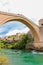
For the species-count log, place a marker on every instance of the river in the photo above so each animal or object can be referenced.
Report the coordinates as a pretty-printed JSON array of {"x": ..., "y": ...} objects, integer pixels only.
[{"x": 20, "y": 57}]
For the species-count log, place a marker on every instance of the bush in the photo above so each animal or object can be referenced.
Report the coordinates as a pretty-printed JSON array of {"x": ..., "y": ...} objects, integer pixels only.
[
  {"x": 2, "y": 45},
  {"x": 9, "y": 46},
  {"x": 21, "y": 43},
  {"x": 17, "y": 44}
]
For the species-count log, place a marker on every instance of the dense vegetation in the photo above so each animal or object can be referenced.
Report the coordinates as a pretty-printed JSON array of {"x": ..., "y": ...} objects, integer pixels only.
[{"x": 16, "y": 44}]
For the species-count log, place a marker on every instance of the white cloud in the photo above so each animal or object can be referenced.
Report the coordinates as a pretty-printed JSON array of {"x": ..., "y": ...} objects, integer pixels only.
[
  {"x": 13, "y": 32},
  {"x": 30, "y": 8}
]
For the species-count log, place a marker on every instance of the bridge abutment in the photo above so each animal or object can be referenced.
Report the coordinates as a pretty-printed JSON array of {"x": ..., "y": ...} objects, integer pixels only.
[{"x": 39, "y": 44}]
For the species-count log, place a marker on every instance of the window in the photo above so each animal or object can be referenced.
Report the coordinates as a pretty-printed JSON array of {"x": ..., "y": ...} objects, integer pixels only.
[{"x": 42, "y": 24}]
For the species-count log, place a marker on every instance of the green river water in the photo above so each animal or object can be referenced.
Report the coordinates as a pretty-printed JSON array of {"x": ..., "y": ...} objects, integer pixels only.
[{"x": 23, "y": 57}]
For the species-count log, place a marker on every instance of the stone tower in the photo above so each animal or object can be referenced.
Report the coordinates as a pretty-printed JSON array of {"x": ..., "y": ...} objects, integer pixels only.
[
  {"x": 41, "y": 22},
  {"x": 41, "y": 29}
]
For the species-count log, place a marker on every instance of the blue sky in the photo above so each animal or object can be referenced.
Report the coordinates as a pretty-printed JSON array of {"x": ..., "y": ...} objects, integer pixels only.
[
  {"x": 32, "y": 9},
  {"x": 14, "y": 25}
]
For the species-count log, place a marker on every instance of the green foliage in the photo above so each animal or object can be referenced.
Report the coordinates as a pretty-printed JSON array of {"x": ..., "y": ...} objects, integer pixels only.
[
  {"x": 9, "y": 46},
  {"x": 11, "y": 36},
  {"x": 30, "y": 40},
  {"x": 16, "y": 44},
  {"x": 22, "y": 42},
  {"x": 2, "y": 41},
  {"x": 1, "y": 45}
]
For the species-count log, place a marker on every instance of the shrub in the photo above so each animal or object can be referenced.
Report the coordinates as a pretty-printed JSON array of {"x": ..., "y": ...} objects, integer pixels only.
[{"x": 1, "y": 45}]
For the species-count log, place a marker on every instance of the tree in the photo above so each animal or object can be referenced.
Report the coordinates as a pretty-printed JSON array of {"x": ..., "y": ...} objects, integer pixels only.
[{"x": 22, "y": 42}]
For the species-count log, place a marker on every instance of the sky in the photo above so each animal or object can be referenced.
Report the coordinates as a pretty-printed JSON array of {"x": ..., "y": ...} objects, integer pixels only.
[
  {"x": 32, "y": 9},
  {"x": 11, "y": 28}
]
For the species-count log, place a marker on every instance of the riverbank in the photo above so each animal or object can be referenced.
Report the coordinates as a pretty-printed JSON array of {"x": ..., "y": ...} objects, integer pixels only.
[{"x": 31, "y": 47}]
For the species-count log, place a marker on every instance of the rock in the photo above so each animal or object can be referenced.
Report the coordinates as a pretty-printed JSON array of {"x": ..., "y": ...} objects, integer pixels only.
[{"x": 29, "y": 46}]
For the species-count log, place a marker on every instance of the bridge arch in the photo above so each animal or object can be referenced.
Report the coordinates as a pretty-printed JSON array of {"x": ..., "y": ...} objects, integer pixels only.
[{"x": 16, "y": 17}]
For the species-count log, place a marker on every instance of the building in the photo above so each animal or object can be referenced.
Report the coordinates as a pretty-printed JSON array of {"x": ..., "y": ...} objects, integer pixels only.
[
  {"x": 18, "y": 36},
  {"x": 30, "y": 35},
  {"x": 0, "y": 38}
]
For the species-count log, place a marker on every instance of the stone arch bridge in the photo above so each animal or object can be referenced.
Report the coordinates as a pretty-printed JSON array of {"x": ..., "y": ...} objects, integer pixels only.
[{"x": 6, "y": 17}]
